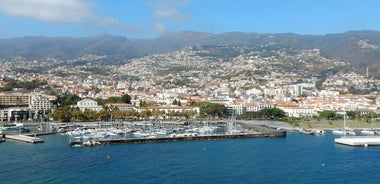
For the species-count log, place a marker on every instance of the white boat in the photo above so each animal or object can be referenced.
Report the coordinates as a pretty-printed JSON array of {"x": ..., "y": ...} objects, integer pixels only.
[
  {"x": 367, "y": 132},
  {"x": 2, "y": 137},
  {"x": 232, "y": 127},
  {"x": 318, "y": 131},
  {"x": 349, "y": 132},
  {"x": 338, "y": 132},
  {"x": 345, "y": 131}
]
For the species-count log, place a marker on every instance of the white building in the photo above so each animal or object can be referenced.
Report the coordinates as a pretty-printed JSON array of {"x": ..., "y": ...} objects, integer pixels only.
[
  {"x": 120, "y": 106},
  {"x": 39, "y": 102},
  {"x": 294, "y": 111},
  {"x": 88, "y": 104}
]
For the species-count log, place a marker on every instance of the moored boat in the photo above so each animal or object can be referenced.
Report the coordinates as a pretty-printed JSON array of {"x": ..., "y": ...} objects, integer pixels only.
[
  {"x": 2, "y": 137},
  {"x": 367, "y": 132}
]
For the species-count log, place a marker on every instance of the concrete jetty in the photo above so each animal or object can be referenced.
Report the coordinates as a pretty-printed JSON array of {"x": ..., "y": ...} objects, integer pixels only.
[
  {"x": 359, "y": 140},
  {"x": 25, "y": 138},
  {"x": 173, "y": 139}
]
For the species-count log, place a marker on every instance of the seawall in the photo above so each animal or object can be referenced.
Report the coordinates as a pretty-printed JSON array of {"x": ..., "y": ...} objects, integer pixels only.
[{"x": 272, "y": 134}]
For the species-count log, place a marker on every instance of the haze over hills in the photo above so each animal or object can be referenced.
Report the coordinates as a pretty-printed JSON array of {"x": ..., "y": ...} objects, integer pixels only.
[{"x": 359, "y": 48}]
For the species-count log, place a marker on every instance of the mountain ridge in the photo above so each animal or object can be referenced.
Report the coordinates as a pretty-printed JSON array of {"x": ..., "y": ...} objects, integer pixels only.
[{"x": 359, "y": 48}]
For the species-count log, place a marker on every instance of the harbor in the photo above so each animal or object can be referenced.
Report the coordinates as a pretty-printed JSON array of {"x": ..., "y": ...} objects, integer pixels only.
[
  {"x": 92, "y": 134},
  {"x": 102, "y": 134}
]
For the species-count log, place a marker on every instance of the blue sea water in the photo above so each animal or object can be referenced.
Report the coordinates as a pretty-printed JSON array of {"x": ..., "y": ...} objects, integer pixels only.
[{"x": 294, "y": 159}]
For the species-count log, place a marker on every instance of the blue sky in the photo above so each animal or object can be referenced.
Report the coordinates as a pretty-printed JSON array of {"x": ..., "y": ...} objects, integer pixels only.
[{"x": 151, "y": 18}]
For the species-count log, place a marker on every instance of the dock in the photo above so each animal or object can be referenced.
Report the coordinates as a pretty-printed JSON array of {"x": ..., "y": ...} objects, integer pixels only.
[
  {"x": 359, "y": 141},
  {"x": 25, "y": 138},
  {"x": 174, "y": 139}
]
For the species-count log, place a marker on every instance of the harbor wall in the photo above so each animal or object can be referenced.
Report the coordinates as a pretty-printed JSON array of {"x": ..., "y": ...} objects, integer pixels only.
[{"x": 173, "y": 139}]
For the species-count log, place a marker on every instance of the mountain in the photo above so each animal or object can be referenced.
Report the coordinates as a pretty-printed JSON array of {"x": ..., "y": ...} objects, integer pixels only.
[{"x": 359, "y": 48}]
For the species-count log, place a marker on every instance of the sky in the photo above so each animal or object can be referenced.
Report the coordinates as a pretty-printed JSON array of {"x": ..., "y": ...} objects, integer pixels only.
[{"x": 151, "y": 18}]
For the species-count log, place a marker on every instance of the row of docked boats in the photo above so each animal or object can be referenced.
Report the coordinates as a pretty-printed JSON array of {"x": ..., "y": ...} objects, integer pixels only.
[
  {"x": 87, "y": 133},
  {"x": 13, "y": 128},
  {"x": 349, "y": 131},
  {"x": 310, "y": 131}
]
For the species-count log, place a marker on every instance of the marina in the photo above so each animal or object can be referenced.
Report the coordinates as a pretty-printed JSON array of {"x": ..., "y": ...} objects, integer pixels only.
[{"x": 102, "y": 134}]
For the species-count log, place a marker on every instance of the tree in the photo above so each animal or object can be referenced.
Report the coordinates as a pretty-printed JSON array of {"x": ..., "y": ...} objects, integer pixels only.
[
  {"x": 118, "y": 114},
  {"x": 103, "y": 115},
  {"x": 90, "y": 115},
  {"x": 175, "y": 102},
  {"x": 77, "y": 115},
  {"x": 328, "y": 114},
  {"x": 351, "y": 114},
  {"x": 145, "y": 114},
  {"x": 67, "y": 100},
  {"x": 188, "y": 114},
  {"x": 268, "y": 113},
  {"x": 126, "y": 98},
  {"x": 212, "y": 109}
]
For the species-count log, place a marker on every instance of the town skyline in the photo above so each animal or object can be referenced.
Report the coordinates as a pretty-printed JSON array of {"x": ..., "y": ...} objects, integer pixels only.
[{"x": 302, "y": 83}]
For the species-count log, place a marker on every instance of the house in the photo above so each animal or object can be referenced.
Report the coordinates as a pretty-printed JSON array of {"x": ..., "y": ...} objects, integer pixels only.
[
  {"x": 88, "y": 104},
  {"x": 120, "y": 106}
]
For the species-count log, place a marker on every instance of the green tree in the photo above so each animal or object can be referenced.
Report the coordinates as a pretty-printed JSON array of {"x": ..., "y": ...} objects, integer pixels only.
[
  {"x": 175, "y": 102},
  {"x": 126, "y": 98},
  {"x": 67, "y": 100},
  {"x": 212, "y": 109},
  {"x": 327, "y": 114},
  {"x": 90, "y": 115},
  {"x": 77, "y": 115},
  {"x": 103, "y": 115},
  {"x": 146, "y": 114},
  {"x": 351, "y": 114}
]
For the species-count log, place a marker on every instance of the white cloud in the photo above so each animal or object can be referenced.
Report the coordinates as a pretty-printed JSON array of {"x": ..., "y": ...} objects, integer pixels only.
[
  {"x": 168, "y": 9},
  {"x": 64, "y": 11},
  {"x": 109, "y": 22},
  {"x": 159, "y": 27},
  {"x": 56, "y": 11}
]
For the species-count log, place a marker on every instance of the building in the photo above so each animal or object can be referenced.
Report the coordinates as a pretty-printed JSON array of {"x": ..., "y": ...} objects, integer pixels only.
[
  {"x": 293, "y": 110},
  {"x": 120, "y": 106},
  {"x": 40, "y": 102},
  {"x": 88, "y": 104},
  {"x": 14, "y": 99},
  {"x": 170, "y": 109},
  {"x": 24, "y": 106}
]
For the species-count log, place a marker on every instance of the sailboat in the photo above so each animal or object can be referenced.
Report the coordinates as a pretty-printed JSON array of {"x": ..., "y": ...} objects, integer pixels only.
[
  {"x": 345, "y": 131},
  {"x": 232, "y": 126},
  {"x": 369, "y": 131}
]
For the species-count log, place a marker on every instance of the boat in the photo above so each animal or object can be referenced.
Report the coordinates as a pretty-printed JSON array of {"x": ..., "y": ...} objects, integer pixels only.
[
  {"x": 345, "y": 131},
  {"x": 369, "y": 131},
  {"x": 13, "y": 129},
  {"x": 2, "y": 137},
  {"x": 338, "y": 132},
  {"x": 232, "y": 126},
  {"x": 318, "y": 131}
]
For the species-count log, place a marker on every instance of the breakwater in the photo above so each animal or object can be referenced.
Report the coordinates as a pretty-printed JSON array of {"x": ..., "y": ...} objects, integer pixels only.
[
  {"x": 272, "y": 134},
  {"x": 25, "y": 138}
]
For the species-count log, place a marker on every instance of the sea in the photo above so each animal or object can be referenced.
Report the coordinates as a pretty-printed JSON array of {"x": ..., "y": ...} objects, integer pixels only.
[{"x": 296, "y": 158}]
